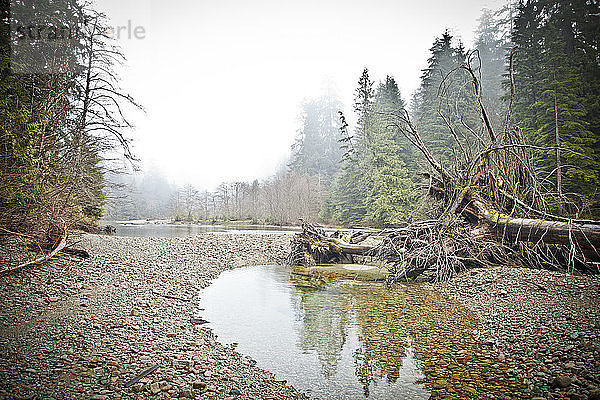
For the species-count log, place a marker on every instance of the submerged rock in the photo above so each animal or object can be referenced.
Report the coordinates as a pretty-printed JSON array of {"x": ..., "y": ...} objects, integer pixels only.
[
  {"x": 334, "y": 272},
  {"x": 561, "y": 381}
]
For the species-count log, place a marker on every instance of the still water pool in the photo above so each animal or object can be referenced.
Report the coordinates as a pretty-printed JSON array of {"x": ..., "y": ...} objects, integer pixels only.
[{"x": 350, "y": 340}]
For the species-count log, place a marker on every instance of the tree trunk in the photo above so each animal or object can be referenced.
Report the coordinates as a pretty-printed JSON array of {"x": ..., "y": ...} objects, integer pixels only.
[
  {"x": 558, "y": 159},
  {"x": 585, "y": 235}
]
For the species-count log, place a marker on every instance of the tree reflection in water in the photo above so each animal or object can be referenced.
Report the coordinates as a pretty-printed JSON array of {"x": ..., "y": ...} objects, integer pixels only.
[
  {"x": 383, "y": 343},
  {"x": 348, "y": 340},
  {"x": 391, "y": 323},
  {"x": 325, "y": 323}
]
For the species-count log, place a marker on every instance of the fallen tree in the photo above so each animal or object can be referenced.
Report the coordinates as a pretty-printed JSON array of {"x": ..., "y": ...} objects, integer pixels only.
[
  {"x": 586, "y": 235},
  {"x": 441, "y": 248},
  {"x": 59, "y": 245},
  {"x": 496, "y": 210},
  {"x": 312, "y": 246}
]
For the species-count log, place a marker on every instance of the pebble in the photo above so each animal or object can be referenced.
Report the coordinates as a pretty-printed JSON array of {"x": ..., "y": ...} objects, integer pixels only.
[
  {"x": 186, "y": 364},
  {"x": 561, "y": 381},
  {"x": 198, "y": 385},
  {"x": 155, "y": 388}
]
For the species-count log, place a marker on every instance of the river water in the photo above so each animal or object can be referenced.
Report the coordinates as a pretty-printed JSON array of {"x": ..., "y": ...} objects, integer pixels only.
[
  {"x": 149, "y": 229},
  {"x": 350, "y": 340}
]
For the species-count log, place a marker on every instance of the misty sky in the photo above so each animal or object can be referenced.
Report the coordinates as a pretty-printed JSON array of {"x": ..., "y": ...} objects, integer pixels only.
[{"x": 223, "y": 80}]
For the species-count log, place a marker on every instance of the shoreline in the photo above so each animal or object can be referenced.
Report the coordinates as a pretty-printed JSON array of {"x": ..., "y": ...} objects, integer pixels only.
[
  {"x": 78, "y": 329},
  {"x": 546, "y": 324},
  {"x": 82, "y": 329}
]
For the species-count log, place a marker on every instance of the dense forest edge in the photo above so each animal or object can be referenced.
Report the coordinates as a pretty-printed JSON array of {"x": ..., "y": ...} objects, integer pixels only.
[{"x": 507, "y": 130}]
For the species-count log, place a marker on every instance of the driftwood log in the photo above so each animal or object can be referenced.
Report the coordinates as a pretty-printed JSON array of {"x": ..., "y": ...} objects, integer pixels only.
[
  {"x": 58, "y": 247},
  {"x": 585, "y": 235}
]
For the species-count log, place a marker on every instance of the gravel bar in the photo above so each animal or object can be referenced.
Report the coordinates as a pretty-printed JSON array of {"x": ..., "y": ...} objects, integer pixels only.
[
  {"x": 75, "y": 329},
  {"x": 546, "y": 324},
  {"x": 121, "y": 325}
]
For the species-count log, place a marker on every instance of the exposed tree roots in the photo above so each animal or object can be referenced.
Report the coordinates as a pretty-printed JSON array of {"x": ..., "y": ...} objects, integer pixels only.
[
  {"x": 496, "y": 210},
  {"x": 436, "y": 250}
]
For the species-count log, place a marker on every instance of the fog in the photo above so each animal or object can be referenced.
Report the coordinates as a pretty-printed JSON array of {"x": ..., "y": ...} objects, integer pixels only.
[{"x": 223, "y": 81}]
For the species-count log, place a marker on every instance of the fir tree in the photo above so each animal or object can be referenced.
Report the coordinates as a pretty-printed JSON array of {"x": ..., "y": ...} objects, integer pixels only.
[
  {"x": 492, "y": 48},
  {"x": 444, "y": 98},
  {"x": 317, "y": 151},
  {"x": 557, "y": 87}
]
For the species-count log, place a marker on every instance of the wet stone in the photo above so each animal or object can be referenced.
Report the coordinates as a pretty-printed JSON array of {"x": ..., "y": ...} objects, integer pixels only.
[{"x": 561, "y": 381}]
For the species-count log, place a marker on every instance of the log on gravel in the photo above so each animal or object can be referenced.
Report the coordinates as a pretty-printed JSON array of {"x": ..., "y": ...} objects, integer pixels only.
[
  {"x": 61, "y": 244},
  {"x": 585, "y": 235}
]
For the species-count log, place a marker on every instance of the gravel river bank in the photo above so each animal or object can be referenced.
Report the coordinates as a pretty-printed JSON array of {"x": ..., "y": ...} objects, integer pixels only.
[
  {"x": 73, "y": 329},
  {"x": 545, "y": 324},
  {"x": 83, "y": 329}
]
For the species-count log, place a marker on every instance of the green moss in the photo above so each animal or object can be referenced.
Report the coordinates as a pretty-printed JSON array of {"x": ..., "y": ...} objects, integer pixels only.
[{"x": 336, "y": 272}]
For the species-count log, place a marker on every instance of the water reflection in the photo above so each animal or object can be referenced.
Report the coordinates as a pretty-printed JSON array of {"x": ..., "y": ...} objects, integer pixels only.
[
  {"x": 350, "y": 340},
  {"x": 325, "y": 323},
  {"x": 382, "y": 358}
]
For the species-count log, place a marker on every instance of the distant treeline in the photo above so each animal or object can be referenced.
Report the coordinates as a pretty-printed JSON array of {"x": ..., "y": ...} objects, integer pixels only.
[
  {"x": 538, "y": 65},
  {"x": 282, "y": 199}
]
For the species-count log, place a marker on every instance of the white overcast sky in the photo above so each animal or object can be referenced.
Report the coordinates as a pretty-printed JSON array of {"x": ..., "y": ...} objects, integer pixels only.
[{"x": 223, "y": 80}]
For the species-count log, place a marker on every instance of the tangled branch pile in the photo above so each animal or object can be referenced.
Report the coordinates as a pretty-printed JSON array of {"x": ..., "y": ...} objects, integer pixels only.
[{"x": 496, "y": 210}]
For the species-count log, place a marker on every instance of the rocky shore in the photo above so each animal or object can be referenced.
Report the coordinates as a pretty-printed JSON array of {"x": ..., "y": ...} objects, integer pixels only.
[
  {"x": 87, "y": 329},
  {"x": 76, "y": 329},
  {"x": 546, "y": 324}
]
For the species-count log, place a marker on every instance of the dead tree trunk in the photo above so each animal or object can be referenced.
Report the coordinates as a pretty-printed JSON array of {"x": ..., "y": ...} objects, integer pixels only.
[
  {"x": 587, "y": 235},
  {"x": 59, "y": 245}
]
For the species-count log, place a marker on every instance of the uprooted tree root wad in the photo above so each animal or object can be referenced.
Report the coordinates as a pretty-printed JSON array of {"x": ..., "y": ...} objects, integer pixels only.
[
  {"x": 436, "y": 250},
  {"x": 496, "y": 210}
]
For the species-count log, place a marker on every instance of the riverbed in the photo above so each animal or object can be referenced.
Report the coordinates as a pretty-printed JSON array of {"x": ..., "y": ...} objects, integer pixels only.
[{"x": 74, "y": 329}]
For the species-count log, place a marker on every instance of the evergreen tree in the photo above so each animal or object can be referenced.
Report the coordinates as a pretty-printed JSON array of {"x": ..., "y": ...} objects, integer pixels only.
[
  {"x": 388, "y": 100},
  {"x": 492, "y": 46},
  {"x": 348, "y": 202},
  {"x": 317, "y": 151},
  {"x": 363, "y": 102},
  {"x": 445, "y": 98},
  {"x": 557, "y": 80},
  {"x": 62, "y": 116},
  {"x": 374, "y": 185},
  {"x": 527, "y": 64},
  {"x": 390, "y": 195}
]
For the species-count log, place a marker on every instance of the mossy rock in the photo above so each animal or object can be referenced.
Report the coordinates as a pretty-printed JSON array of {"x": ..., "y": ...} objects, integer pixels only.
[{"x": 335, "y": 272}]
